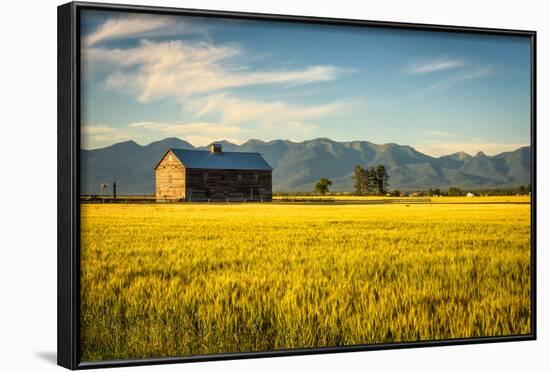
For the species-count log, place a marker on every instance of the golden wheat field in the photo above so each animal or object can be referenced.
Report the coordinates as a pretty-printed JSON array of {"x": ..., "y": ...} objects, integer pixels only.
[{"x": 187, "y": 279}]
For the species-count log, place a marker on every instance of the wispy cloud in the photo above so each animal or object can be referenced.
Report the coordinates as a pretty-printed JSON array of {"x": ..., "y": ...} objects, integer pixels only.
[
  {"x": 472, "y": 147},
  {"x": 235, "y": 119},
  {"x": 176, "y": 69},
  {"x": 206, "y": 79},
  {"x": 204, "y": 133},
  {"x": 136, "y": 26},
  {"x": 438, "y": 133},
  {"x": 197, "y": 133},
  {"x": 434, "y": 65},
  {"x": 238, "y": 119},
  {"x": 97, "y": 129},
  {"x": 232, "y": 110},
  {"x": 476, "y": 73},
  {"x": 99, "y": 135}
]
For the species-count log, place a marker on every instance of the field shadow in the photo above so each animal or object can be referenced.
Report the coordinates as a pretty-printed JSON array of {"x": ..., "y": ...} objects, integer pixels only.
[{"x": 48, "y": 356}]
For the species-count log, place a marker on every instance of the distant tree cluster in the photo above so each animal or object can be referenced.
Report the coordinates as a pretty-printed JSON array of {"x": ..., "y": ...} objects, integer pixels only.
[
  {"x": 522, "y": 190},
  {"x": 432, "y": 192},
  {"x": 375, "y": 181},
  {"x": 395, "y": 193},
  {"x": 455, "y": 191},
  {"x": 372, "y": 181}
]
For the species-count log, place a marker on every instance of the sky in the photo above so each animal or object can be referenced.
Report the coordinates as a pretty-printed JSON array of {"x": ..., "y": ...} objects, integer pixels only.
[{"x": 147, "y": 77}]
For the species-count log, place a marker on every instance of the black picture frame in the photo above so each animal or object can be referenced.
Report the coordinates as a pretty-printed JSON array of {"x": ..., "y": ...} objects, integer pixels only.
[{"x": 68, "y": 215}]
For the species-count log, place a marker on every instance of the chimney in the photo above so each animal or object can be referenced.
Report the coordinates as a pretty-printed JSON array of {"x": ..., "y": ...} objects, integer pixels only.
[{"x": 216, "y": 148}]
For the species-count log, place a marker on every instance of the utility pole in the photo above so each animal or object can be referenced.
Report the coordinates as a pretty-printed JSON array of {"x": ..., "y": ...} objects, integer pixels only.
[{"x": 114, "y": 190}]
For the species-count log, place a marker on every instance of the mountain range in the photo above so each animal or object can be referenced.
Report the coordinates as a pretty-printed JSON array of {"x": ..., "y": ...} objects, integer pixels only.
[{"x": 297, "y": 166}]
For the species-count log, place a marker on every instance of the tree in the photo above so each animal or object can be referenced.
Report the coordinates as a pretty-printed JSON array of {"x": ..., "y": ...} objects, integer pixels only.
[
  {"x": 432, "y": 192},
  {"x": 322, "y": 186},
  {"x": 395, "y": 193},
  {"x": 522, "y": 190},
  {"x": 382, "y": 180},
  {"x": 455, "y": 191},
  {"x": 374, "y": 180},
  {"x": 360, "y": 180},
  {"x": 371, "y": 181}
]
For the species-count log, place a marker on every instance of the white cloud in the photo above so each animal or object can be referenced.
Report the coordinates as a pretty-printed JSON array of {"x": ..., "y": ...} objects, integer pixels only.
[
  {"x": 176, "y": 69},
  {"x": 97, "y": 129},
  {"x": 439, "y": 133},
  {"x": 197, "y": 133},
  {"x": 100, "y": 135},
  {"x": 440, "y": 64},
  {"x": 446, "y": 143},
  {"x": 238, "y": 120},
  {"x": 297, "y": 131},
  {"x": 472, "y": 148},
  {"x": 136, "y": 26},
  {"x": 204, "y": 78},
  {"x": 476, "y": 73},
  {"x": 232, "y": 110}
]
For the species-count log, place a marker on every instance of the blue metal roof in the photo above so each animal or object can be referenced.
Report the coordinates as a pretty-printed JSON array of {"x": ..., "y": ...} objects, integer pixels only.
[{"x": 224, "y": 160}]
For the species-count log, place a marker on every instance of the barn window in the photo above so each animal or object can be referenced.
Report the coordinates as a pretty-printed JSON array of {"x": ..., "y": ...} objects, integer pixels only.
[
  {"x": 256, "y": 177},
  {"x": 240, "y": 177},
  {"x": 205, "y": 176},
  {"x": 170, "y": 180}
]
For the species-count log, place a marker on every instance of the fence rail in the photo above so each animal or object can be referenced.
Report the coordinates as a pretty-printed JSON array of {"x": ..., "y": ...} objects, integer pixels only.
[
  {"x": 298, "y": 200},
  {"x": 353, "y": 201},
  {"x": 153, "y": 199},
  {"x": 119, "y": 199}
]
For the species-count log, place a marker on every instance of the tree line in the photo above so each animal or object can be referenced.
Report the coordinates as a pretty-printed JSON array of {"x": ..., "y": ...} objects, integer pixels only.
[
  {"x": 371, "y": 181},
  {"x": 375, "y": 181},
  {"x": 456, "y": 191}
]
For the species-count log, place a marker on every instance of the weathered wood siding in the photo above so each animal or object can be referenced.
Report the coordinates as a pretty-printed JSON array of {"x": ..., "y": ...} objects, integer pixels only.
[
  {"x": 220, "y": 184},
  {"x": 170, "y": 179}
]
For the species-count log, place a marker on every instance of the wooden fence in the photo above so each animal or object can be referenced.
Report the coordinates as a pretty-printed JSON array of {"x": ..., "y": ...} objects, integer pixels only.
[
  {"x": 119, "y": 199},
  {"x": 353, "y": 201},
  {"x": 239, "y": 199}
]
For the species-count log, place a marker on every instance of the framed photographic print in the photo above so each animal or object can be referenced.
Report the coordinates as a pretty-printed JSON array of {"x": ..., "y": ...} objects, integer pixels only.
[{"x": 236, "y": 185}]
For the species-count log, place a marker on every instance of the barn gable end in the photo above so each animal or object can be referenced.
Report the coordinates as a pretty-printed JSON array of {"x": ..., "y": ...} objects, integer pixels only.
[{"x": 170, "y": 178}]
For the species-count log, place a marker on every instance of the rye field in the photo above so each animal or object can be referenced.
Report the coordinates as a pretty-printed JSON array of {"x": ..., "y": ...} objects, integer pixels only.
[{"x": 187, "y": 279}]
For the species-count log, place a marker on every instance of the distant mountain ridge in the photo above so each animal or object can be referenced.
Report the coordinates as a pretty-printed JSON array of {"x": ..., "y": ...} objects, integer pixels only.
[{"x": 298, "y": 166}]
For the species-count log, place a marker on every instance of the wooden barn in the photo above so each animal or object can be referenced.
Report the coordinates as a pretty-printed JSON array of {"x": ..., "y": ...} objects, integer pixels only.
[{"x": 194, "y": 175}]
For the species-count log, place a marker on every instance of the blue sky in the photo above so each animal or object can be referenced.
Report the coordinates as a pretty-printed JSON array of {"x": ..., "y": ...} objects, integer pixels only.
[{"x": 148, "y": 77}]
